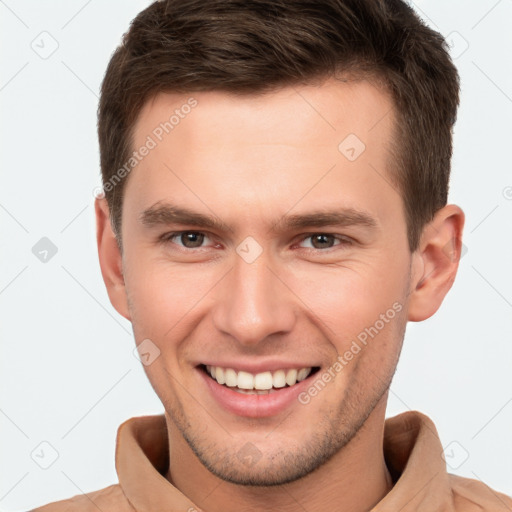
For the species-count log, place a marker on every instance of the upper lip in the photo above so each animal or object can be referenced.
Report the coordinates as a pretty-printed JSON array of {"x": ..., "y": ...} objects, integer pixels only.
[{"x": 261, "y": 366}]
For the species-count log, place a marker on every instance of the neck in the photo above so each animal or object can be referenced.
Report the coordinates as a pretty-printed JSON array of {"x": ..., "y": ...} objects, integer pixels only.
[{"x": 354, "y": 480}]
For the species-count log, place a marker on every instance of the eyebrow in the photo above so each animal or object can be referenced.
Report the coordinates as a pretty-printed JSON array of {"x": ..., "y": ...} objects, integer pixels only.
[{"x": 166, "y": 214}]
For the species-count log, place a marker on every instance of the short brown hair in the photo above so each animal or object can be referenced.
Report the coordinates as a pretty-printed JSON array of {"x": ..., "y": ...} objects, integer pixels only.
[{"x": 255, "y": 46}]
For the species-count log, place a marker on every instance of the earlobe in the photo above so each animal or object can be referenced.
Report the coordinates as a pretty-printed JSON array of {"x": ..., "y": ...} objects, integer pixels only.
[
  {"x": 110, "y": 259},
  {"x": 438, "y": 257}
]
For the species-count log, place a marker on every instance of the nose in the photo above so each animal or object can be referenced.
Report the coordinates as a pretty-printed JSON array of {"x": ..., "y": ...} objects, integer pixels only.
[{"x": 254, "y": 302}]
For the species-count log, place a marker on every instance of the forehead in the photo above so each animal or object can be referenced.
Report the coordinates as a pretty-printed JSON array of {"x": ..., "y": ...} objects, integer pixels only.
[
  {"x": 264, "y": 149},
  {"x": 290, "y": 113}
]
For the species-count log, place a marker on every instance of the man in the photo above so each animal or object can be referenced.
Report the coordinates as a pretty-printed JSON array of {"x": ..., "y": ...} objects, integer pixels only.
[{"x": 275, "y": 212}]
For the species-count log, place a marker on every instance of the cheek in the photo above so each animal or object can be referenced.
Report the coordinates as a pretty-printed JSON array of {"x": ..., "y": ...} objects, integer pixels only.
[
  {"x": 166, "y": 300},
  {"x": 343, "y": 301}
]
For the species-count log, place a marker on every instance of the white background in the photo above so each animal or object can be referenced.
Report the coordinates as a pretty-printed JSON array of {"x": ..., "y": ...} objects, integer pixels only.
[{"x": 68, "y": 374}]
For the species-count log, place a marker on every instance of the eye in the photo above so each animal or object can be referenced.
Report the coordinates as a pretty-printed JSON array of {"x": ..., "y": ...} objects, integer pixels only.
[
  {"x": 186, "y": 239},
  {"x": 324, "y": 241}
]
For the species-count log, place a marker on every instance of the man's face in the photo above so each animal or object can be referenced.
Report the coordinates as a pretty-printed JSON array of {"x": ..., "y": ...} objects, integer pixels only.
[{"x": 258, "y": 292}]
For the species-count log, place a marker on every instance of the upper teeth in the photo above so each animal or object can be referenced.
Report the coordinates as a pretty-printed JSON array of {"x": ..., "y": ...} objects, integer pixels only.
[{"x": 264, "y": 380}]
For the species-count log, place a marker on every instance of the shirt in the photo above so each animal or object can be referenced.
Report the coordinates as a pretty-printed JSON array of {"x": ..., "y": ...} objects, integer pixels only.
[{"x": 412, "y": 451}]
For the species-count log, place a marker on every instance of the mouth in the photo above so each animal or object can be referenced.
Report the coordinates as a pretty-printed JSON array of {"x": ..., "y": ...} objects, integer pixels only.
[{"x": 262, "y": 383}]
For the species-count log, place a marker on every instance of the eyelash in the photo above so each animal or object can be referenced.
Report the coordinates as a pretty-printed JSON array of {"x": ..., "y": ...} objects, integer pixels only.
[{"x": 343, "y": 240}]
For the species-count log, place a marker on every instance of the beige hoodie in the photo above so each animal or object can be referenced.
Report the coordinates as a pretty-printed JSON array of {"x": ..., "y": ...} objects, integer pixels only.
[{"x": 412, "y": 450}]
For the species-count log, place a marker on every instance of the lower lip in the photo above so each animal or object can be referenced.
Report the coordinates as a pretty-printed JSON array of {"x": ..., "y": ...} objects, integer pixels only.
[{"x": 254, "y": 406}]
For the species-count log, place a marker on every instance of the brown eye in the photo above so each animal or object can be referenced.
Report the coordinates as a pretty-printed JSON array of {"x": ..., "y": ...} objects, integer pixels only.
[
  {"x": 322, "y": 241},
  {"x": 191, "y": 239}
]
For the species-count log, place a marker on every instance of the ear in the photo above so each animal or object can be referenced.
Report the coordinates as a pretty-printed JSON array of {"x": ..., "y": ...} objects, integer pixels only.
[
  {"x": 111, "y": 261},
  {"x": 436, "y": 262}
]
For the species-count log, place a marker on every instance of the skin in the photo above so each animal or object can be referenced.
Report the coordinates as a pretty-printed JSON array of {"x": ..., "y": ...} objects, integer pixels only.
[{"x": 249, "y": 161}]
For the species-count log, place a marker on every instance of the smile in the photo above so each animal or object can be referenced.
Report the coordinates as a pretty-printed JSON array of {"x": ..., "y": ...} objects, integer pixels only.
[{"x": 262, "y": 383}]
